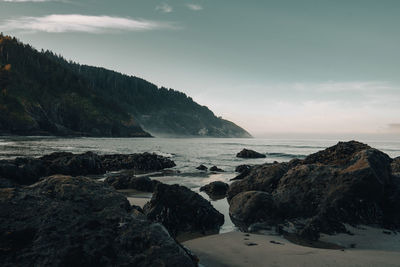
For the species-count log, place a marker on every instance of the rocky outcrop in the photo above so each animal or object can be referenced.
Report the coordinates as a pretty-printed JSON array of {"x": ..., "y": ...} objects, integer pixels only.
[
  {"x": 216, "y": 190},
  {"x": 243, "y": 171},
  {"x": 216, "y": 169},
  {"x": 139, "y": 162},
  {"x": 181, "y": 210},
  {"x": 124, "y": 181},
  {"x": 67, "y": 221},
  {"x": 25, "y": 171},
  {"x": 249, "y": 154},
  {"x": 347, "y": 183}
]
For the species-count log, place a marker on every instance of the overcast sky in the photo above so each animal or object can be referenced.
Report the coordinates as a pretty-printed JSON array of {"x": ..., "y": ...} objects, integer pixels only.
[{"x": 279, "y": 66}]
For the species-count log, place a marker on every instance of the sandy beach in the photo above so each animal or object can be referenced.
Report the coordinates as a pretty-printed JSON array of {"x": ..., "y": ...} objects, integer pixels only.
[{"x": 240, "y": 249}]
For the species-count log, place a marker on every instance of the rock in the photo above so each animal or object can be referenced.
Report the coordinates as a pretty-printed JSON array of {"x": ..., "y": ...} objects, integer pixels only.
[
  {"x": 347, "y": 183},
  {"x": 338, "y": 154},
  {"x": 124, "y": 181},
  {"x": 139, "y": 162},
  {"x": 264, "y": 177},
  {"x": 202, "y": 168},
  {"x": 242, "y": 168},
  {"x": 181, "y": 210},
  {"x": 26, "y": 171},
  {"x": 250, "y": 154},
  {"x": 251, "y": 207},
  {"x": 216, "y": 169},
  {"x": 67, "y": 221},
  {"x": 73, "y": 164},
  {"x": 216, "y": 190},
  {"x": 395, "y": 166}
]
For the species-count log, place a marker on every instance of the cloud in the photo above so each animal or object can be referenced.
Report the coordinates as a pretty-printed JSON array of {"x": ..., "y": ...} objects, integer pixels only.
[
  {"x": 23, "y": 1},
  {"x": 165, "y": 8},
  {"x": 81, "y": 23},
  {"x": 395, "y": 127},
  {"x": 194, "y": 7}
]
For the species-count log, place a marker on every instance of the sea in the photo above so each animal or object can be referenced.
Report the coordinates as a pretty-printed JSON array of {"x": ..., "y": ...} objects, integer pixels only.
[{"x": 187, "y": 153}]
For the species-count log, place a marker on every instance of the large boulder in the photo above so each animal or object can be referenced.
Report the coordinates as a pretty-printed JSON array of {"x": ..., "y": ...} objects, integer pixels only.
[
  {"x": 125, "y": 181},
  {"x": 67, "y": 221},
  {"x": 139, "y": 162},
  {"x": 181, "y": 210},
  {"x": 347, "y": 183},
  {"x": 216, "y": 190},
  {"x": 249, "y": 154}
]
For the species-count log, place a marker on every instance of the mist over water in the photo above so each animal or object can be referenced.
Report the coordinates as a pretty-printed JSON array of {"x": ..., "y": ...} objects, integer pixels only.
[{"x": 187, "y": 153}]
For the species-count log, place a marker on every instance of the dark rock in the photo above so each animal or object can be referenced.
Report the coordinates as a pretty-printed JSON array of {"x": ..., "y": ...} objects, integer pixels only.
[
  {"x": 242, "y": 168},
  {"x": 139, "y": 162},
  {"x": 216, "y": 190},
  {"x": 181, "y": 210},
  {"x": 123, "y": 181},
  {"x": 250, "y": 154},
  {"x": 395, "y": 166},
  {"x": 216, "y": 169},
  {"x": 348, "y": 183},
  {"x": 338, "y": 154},
  {"x": 25, "y": 171},
  {"x": 67, "y": 221},
  {"x": 202, "y": 168},
  {"x": 251, "y": 207}
]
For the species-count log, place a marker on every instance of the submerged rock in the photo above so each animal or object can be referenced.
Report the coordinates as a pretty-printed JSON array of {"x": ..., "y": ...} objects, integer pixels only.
[
  {"x": 250, "y": 154},
  {"x": 216, "y": 169},
  {"x": 181, "y": 210},
  {"x": 67, "y": 221},
  {"x": 124, "y": 181},
  {"x": 216, "y": 190},
  {"x": 202, "y": 168},
  {"x": 347, "y": 183}
]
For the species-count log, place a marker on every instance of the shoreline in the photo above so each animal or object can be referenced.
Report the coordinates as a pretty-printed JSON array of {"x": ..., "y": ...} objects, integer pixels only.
[{"x": 240, "y": 249}]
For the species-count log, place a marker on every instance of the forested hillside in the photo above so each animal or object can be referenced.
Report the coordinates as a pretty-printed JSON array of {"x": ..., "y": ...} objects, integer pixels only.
[{"x": 42, "y": 93}]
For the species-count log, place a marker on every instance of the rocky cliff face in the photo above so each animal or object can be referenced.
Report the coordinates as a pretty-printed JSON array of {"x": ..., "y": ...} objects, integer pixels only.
[{"x": 43, "y": 94}]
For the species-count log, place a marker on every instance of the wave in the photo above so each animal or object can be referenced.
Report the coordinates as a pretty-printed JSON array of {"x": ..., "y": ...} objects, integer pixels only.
[{"x": 286, "y": 155}]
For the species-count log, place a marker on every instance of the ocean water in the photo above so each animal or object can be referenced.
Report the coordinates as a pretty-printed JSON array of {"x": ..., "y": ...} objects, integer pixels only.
[{"x": 187, "y": 153}]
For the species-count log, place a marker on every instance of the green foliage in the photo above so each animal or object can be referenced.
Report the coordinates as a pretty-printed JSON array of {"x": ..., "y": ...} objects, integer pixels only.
[{"x": 68, "y": 98}]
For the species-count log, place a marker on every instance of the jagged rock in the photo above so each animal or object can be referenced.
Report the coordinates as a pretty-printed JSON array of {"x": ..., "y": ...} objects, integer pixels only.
[
  {"x": 347, "y": 183},
  {"x": 216, "y": 169},
  {"x": 67, "y": 221},
  {"x": 124, "y": 181},
  {"x": 250, "y": 154},
  {"x": 202, "y": 168},
  {"x": 216, "y": 190},
  {"x": 181, "y": 210},
  {"x": 140, "y": 162}
]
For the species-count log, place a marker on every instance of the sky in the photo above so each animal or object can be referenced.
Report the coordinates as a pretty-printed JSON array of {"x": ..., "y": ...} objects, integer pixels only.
[{"x": 273, "y": 67}]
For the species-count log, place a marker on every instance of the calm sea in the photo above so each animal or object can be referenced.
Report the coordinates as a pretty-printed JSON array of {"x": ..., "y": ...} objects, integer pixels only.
[{"x": 187, "y": 153}]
